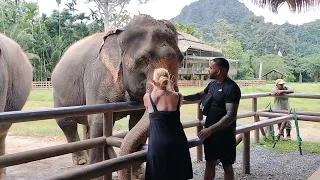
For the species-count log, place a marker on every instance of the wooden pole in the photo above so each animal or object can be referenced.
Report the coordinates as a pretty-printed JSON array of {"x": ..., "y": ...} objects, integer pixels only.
[
  {"x": 238, "y": 140},
  {"x": 256, "y": 118},
  {"x": 107, "y": 132},
  {"x": 199, "y": 128},
  {"x": 246, "y": 153},
  {"x": 262, "y": 130}
]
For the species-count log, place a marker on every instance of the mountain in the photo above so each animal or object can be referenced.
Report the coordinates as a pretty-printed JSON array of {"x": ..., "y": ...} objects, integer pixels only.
[
  {"x": 204, "y": 13},
  {"x": 222, "y": 20}
]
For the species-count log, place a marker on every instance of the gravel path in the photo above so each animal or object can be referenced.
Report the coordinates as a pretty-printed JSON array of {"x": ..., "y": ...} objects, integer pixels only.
[{"x": 265, "y": 165}]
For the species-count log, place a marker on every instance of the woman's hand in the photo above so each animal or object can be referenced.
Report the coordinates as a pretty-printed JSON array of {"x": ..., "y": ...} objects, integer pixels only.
[{"x": 171, "y": 84}]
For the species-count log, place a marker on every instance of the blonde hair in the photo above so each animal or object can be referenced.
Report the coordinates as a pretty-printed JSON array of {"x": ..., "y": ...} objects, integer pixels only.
[{"x": 162, "y": 77}]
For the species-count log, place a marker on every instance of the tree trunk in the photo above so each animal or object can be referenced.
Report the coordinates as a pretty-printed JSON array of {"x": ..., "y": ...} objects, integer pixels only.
[
  {"x": 106, "y": 24},
  {"x": 316, "y": 77},
  {"x": 260, "y": 71},
  {"x": 300, "y": 78},
  {"x": 106, "y": 16}
]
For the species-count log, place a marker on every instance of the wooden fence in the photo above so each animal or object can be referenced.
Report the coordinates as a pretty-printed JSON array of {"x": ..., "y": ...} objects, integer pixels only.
[
  {"x": 106, "y": 167},
  {"x": 181, "y": 83},
  {"x": 41, "y": 85},
  {"x": 202, "y": 83}
]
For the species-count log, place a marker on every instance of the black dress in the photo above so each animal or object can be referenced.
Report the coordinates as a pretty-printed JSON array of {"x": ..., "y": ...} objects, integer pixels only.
[{"x": 168, "y": 150}]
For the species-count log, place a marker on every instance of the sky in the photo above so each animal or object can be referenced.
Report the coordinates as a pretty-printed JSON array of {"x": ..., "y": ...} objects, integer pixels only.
[{"x": 166, "y": 9}]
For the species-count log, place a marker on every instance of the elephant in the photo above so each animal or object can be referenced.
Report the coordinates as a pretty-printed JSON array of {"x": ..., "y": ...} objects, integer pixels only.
[
  {"x": 16, "y": 74},
  {"x": 116, "y": 66}
]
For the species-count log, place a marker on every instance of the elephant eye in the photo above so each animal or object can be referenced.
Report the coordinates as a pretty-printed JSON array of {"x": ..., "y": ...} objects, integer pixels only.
[{"x": 141, "y": 62}]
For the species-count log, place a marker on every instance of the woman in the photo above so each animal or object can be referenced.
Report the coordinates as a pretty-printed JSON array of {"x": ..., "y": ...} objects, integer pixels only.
[{"x": 168, "y": 150}]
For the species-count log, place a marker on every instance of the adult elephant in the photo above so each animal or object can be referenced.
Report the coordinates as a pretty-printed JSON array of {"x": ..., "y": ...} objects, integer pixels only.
[
  {"x": 15, "y": 83},
  {"x": 114, "y": 67}
]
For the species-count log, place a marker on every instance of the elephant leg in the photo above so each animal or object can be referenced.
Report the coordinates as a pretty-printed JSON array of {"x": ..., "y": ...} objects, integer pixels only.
[
  {"x": 4, "y": 128},
  {"x": 86, "y": 134},
  {"x": 135, "y": 117},
  {"x": 69, "y": 128},
  {"x": 132, "y": 142},
  {"x": 96, "y": 130}
]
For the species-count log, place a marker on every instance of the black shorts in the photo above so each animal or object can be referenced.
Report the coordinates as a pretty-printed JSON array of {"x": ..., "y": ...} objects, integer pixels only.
[{"x": 220, "y": 146}]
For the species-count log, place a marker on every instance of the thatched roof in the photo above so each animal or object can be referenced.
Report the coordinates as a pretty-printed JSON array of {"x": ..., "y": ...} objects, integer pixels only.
[
  {"x": 274, "y": 70},
  {"x": 186, "y": 41},
  {"x": 295, "y": 6}
]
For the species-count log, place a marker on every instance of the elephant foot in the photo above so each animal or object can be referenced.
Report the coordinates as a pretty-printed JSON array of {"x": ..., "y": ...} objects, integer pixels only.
[
  {"x": 2, "y": 174},
  {"x": 80, "y": 159},
  {"x": 138, "y": 173}
]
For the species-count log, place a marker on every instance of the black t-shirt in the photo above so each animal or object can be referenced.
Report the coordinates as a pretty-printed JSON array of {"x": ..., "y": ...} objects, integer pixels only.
[{"x": 226, "y": 92}]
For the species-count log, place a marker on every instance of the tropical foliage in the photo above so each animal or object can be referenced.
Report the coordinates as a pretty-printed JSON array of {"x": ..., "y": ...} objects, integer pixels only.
[{"x": 230, "y": 26}]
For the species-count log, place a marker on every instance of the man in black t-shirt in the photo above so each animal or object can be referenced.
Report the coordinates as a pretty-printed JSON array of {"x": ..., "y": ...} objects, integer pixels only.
[{"x": 219, "y": 134}]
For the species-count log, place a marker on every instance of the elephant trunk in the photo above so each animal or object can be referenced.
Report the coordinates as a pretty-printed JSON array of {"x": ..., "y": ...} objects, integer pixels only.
[{"x": 132, "y": 141}]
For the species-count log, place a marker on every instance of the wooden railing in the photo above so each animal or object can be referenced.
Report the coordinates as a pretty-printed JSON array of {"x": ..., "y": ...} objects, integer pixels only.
[
  {"x": 182, "y": 83},
  {"x": 41, "y": 85},
  {"x": 201, "y": 83},
  {"x": 106, "y": 167},
  {"x": 204, "y": 70}
]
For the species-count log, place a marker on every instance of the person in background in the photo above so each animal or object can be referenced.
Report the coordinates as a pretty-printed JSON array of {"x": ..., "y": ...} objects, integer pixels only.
[
  {"x": 282, "y": 102},
  {"x": 168, "y": 155},
  {"x": 219, "y": 134}
]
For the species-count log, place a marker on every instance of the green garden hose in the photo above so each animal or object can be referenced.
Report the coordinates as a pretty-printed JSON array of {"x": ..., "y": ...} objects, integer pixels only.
[{"x": 299, "y": 140}]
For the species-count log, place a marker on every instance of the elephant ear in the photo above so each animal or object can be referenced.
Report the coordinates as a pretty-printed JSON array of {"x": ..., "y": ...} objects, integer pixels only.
[
  {"x": 110, "y": 53},
  {"x": 109, "y": 33}
]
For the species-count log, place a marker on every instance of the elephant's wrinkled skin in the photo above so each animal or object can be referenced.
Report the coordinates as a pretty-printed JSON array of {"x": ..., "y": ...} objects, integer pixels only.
[
  {"x": 15, "y": 83},
  {"x": 114, "y": 67}
]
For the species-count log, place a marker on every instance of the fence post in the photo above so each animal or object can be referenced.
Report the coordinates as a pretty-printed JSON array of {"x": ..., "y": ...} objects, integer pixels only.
[
  {"x": 246, "y": 153},
  {"x": 199, "y": 128},
  {"x": 256, "y": 118},
  {"x": 107, "y": 131}
]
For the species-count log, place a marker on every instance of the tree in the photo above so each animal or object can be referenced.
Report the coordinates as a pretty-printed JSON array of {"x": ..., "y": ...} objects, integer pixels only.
[
  {"x": 113, "y": 12},
  {"x": 233, "y": 49},
  {"x": 270, "y": 62},
  {"x": 245, "y": 68},
  {"x": 223, "y": 31},
  {"x": 189, "y": 29},
  {"x": 311, "y": 64}
]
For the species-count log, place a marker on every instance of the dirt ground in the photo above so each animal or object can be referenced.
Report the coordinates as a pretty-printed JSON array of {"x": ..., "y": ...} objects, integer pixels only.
[{"x": 51, "y": 166}]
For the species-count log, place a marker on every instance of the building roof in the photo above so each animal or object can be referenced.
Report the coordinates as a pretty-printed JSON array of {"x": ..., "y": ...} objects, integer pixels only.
[
  {"x": 274, "y": 70},
  {"x": 209, "y": 58},
  {"x": 186, "y": 41}
]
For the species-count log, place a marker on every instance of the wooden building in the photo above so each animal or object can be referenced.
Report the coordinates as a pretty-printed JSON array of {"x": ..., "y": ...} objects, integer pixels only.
[{"x": 197, "y": 57}]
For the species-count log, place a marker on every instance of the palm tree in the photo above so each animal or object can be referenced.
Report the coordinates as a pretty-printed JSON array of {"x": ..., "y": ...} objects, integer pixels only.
[
  {"x": 58, "y": 4},
  {"x": 295, "y": 6}
]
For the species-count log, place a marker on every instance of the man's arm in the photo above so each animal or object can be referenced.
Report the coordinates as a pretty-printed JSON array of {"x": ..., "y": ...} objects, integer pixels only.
[
  {"x": 274, "y": 91},
  {"x": 199, "y": 95},
  {"x": 284, "y": 91},
  {"x": 230, "y": 117},
  {"x": 288, "y": 91},
  {"x": 194, "y": 97}
]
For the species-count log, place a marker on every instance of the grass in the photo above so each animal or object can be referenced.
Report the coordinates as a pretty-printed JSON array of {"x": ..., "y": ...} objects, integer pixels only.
[
  {"x": 43, "y": 99},
  {"x": 285, "y": 145}
]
